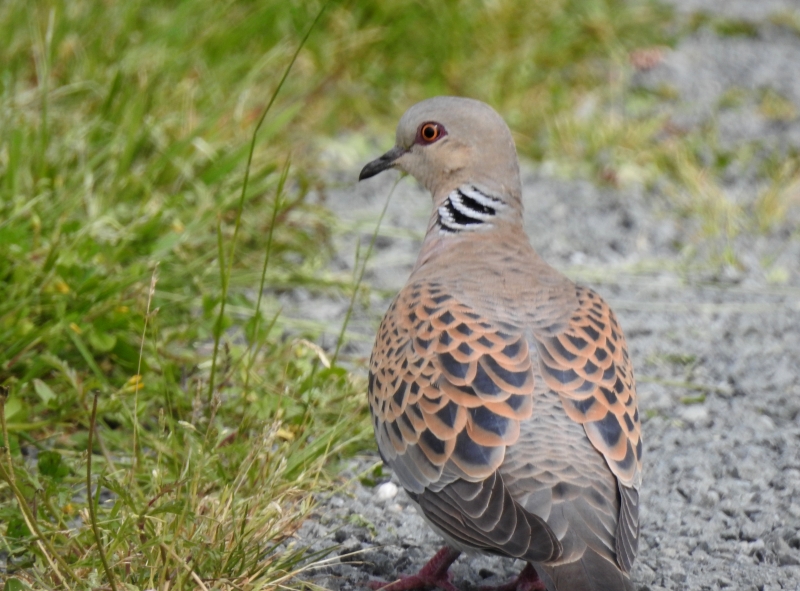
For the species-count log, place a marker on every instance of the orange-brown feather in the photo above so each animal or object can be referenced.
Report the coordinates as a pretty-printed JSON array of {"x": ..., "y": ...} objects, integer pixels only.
[
  {"x": 447, "y": 383},
  {"x": 588, "y": 365}
]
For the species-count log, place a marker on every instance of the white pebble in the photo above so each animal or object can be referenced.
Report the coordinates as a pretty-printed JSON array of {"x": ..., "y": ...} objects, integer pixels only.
[
  {"x": 386, "y": 491},
  {"x": 694, "y": 413}
]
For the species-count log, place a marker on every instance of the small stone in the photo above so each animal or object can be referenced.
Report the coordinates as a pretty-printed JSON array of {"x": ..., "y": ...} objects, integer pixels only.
[
  {"x": 386, "y": 491},
  {"x": 704, "y": 546},
  {"x": 709, "y": 499},
  {"x": 349, "y": 549},
  {"x": 749, "y": 532},
  {"x": 694, "y": 413}
]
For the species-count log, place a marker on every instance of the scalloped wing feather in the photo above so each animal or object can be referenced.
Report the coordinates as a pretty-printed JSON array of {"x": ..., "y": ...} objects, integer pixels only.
[
  {"x": 589, "y": 367},
  {"x": 447, "y": 389}
]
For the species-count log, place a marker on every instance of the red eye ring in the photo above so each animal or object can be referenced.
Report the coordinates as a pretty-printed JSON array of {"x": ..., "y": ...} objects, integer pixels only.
[{"x": 429, "y": 132}]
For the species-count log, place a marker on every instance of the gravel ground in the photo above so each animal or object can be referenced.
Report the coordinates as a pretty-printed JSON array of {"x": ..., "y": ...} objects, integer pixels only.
[{"x": 716, "y": 353}]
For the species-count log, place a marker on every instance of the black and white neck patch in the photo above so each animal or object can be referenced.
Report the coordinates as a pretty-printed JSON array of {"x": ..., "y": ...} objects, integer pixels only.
[{"x": 467, "y": 208}]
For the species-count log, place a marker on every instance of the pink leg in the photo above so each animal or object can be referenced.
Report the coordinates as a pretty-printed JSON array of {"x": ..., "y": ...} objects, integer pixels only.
[
  {"x": 527, "y": 580},
  {"x": 433, "y": 574}
]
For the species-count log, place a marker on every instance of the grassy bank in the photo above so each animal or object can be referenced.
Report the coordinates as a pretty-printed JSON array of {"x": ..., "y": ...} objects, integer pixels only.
[{"x": 131, "y": 258}]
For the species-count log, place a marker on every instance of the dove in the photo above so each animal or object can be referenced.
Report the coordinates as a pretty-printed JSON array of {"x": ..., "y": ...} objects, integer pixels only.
[{"x": 501, "y": 393}]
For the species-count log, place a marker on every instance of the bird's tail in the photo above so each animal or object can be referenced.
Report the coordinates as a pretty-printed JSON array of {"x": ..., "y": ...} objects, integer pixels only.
[{"x": 592, "y": 572}]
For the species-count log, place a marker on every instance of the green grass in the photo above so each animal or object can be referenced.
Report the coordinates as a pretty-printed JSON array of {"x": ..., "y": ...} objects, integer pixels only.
[
  {"x": 132, "y": 256},
  {"x": 724, "y": 27},
  {"x": 124, "y": 134}
]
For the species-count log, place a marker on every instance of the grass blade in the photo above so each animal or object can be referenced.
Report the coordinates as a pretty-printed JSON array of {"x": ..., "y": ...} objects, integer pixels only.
[
  {"x": 91, "y": 500},
  {"x": 360, "y": 276},
  {"x": 240, "y": 207}
]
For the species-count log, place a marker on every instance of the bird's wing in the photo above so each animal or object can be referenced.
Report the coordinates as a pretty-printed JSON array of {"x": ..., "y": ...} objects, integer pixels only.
[
  {"x": 588, "y": 366},
  {"x": 447, "y": 391}
]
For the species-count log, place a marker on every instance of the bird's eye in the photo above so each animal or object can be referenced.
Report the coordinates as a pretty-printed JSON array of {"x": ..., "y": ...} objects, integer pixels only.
[{"x": 430, "y": 132}]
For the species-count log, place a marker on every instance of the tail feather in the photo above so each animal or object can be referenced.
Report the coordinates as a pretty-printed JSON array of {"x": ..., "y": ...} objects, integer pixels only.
[
  {"x": 627, "y": 534},
  {"x": 591, "y": 572}
]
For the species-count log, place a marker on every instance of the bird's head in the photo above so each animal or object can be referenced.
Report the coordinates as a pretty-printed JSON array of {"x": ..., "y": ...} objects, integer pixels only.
[{"x": 448, "y": 142}]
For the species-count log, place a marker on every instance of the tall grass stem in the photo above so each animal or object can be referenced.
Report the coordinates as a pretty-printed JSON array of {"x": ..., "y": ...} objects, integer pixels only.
[
  {"x": 240, "y": 207},
  {"x": 255, "y": 344},
  {"x": 360, "y": 274},
  {"x": 92, "y": 512}
]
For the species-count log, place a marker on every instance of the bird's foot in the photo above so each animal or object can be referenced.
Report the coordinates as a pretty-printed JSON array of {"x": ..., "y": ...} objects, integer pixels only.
[
  {"x": 527, "y": 580},
  {"x": 433, "y": 574}
]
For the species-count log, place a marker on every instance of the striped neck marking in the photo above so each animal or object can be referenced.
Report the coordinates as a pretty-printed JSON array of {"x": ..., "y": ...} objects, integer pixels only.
[{"x": 467, "y": 208}]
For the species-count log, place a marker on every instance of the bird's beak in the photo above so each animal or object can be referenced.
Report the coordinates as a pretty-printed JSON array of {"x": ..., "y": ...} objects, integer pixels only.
[{"x": 382, "y": 163}]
